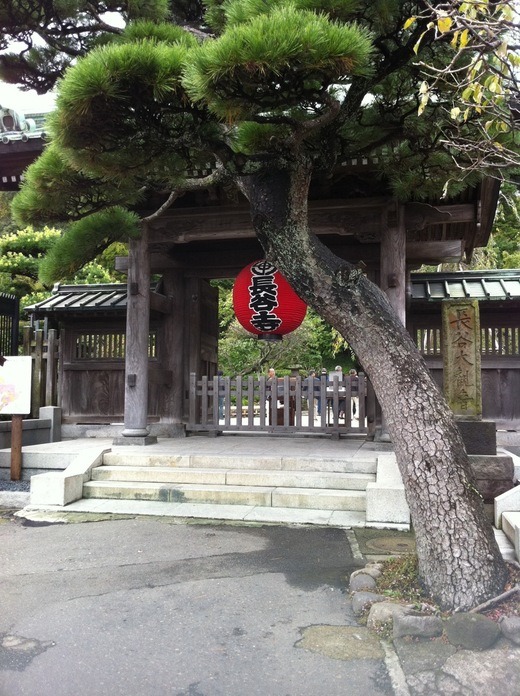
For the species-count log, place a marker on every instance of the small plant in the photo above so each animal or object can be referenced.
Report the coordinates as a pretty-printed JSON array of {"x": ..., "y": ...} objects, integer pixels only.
[{"x": 400, "y": 579}]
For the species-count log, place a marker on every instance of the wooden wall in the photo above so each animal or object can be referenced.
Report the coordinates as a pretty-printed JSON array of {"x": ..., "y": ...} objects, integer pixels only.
[{"x": 92, "y": 358}]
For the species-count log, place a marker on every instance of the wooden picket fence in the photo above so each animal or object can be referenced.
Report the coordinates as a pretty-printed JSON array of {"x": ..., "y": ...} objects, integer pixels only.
[
  {"x": 248, "y": 404},
  {"x": 43, "y": 347}
]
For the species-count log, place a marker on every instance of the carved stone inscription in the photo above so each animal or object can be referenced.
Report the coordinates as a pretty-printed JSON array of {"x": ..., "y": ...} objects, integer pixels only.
[{"x": 461, "y": 353}]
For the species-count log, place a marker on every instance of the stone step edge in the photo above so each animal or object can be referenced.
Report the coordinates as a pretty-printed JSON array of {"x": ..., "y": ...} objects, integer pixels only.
[
  {"x": 275, "y": 463},
  {"x": 111, "y": 473},
  {"x": 150, "y": 485},
  {"x": 511, "y": 528},
  {"x": 304, "y": 498},
  {"x": 253, "y": 514}
]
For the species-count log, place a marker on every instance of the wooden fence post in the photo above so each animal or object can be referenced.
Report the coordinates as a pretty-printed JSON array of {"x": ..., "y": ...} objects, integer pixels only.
[
  {"x": 51, "y": 371},
  {"x": 16, "y": 447}
]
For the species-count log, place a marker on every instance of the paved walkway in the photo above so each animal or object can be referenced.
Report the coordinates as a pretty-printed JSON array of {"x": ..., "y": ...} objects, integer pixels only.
[
  {"x": 230, "y": 444},
  {"x": 147, "y": 607}
]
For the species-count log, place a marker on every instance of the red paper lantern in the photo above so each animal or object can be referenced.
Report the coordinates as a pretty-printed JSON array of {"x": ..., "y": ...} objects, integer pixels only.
[{"x": 264, "y": 302}]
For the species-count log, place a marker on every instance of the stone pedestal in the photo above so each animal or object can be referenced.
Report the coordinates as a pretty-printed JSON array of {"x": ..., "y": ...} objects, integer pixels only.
[
  {"x": 493, "y": 475},
  {"x": 480, "y": 437},
  {"x": 135, "y": 440}
]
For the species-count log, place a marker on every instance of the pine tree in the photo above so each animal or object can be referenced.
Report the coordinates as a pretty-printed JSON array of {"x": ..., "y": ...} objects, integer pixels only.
[{"x": 272, "y": 93}]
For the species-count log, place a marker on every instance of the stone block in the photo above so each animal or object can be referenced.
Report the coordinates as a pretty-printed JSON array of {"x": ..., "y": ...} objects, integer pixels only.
[
  {"x": 52, "y": 413},
  {"x": 480, "y": 437},
  {"x": 497, "y": 467},
  {"x": 386, "y": 503},
  {"x": 141, "y": 441},
  {"x": 494, "y": 475},
  {"x": 385, "y": 499},
  {"x": 55, "y": 488},
  {"x": 506, "y": 502},
  {"x": 461, "y": 357},
  {"x": 372, "y": 569},
  {"x": 363, "y": 581},
  {"x": 385, "y": 612},
  {"x": 420, "y": 626},
  {"x": 471, "y": 631},
  {"x": 364, "y": 600},
  {"x": 64, "y": 487},
  {"x": 510, "y": 627}
]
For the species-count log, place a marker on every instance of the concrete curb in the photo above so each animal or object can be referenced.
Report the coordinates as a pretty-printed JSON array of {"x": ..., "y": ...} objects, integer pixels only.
[{"x": 14, "y": 499}]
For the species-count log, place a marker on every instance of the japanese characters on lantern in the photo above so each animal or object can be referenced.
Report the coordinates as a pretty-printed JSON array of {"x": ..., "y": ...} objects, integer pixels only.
[{"x": 264, "y": 302}]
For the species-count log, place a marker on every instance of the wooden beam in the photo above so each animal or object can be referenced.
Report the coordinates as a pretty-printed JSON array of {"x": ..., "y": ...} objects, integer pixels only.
[
  {"x": 450, "y": 251},
  {"x": 16, "y": 447},
  {"x": 344, "y": 217},
  {"x": 360, "y": 218},
  {"x": 160, "y": 303},
  {"x": 489, "y": 192},
  {"x": 419, "y": 216},
  {"x": 172, "y": 339},
  {"x": 227, "y": 263}
]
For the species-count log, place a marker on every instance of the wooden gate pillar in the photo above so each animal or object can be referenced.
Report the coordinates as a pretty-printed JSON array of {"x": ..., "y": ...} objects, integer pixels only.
[
  {"x": 393, "y": 261},
  {"x": 175, "y": 328},
  {"x": 136, "y": 344},
  {"x": 393, "y": 271}
]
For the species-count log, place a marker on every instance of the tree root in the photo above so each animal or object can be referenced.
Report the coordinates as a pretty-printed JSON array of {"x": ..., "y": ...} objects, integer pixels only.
[{"x": 495, "y": 600}]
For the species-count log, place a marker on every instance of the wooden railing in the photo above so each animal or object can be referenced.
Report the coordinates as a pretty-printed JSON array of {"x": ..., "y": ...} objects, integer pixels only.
[
  {"x": 43, "y": 349},
  {"x": 290, "y": 405},
  {"x": 500, "y": 340}
]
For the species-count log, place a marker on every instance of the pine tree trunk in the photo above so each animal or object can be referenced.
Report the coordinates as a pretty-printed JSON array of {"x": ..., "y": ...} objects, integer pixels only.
[{"x": 459, "y": 561}]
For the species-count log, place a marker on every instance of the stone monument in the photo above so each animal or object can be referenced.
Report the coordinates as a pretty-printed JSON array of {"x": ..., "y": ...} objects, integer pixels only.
[{"x": 463, "y": 391}]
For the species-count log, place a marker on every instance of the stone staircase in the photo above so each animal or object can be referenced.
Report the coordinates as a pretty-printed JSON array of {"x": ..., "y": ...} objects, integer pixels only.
[
  {"x": 511, "y": 528},
  {"x": 345, "y": 483},
  {"x": 277, "y": 483},
  {"x": 507, "y": 517}
]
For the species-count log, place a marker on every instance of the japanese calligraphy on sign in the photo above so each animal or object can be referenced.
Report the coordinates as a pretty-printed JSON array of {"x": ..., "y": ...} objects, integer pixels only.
[{"x": 461, "y": 355}]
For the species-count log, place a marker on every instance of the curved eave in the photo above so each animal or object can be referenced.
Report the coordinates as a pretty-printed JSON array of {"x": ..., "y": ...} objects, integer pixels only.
[{"x": 16, "y": 154}]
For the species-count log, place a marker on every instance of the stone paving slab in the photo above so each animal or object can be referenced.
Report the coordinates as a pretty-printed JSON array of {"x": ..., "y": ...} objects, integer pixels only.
[{"x": 247, "y": 513}]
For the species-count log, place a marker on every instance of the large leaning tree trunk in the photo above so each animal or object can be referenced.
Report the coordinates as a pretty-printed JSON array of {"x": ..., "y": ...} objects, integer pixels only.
[{"x": 459, "y": 561}]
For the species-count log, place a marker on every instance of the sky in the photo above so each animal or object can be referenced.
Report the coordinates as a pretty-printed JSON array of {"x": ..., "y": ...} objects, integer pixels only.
[{"x": 12, "y": 97}]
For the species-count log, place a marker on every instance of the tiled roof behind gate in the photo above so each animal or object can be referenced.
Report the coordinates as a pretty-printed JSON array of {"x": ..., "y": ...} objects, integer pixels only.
[
  {"x": 430, "y": 287},
  {"x": 67, "y": 299},
  {"x": 478, "y": 285}
]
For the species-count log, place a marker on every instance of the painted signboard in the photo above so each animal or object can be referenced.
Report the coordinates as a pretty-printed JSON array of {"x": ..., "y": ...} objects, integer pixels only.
[{"x": 15, "y": 385}]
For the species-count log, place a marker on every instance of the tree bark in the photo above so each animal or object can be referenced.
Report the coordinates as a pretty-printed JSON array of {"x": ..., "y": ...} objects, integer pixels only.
[{"x": 459, "y": 560}]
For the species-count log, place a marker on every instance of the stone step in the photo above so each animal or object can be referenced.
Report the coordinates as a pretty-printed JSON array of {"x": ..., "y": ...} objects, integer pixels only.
[
  {"x": 238, "y": 513},
  {"x": 367, "y": 465},
  {"x": 234, "y": 477},
  {"x": 511, "y": 528},
  {"x": 265, "y": 496}
]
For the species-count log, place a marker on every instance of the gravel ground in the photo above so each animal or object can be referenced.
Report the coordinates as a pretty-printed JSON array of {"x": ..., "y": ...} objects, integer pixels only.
[{"x": 15, "y": 485}]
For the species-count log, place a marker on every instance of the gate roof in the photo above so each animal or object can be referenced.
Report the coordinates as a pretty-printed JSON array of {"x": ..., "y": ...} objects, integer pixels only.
[
  {"x": 480, "y": 285},
  {"x": 110, "y": 299}
]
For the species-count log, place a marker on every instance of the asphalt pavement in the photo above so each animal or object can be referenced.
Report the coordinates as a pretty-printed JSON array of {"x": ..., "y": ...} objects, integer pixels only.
[
  {"x": 147, "y": 607},
  {"x": 104, "y": 606}
]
